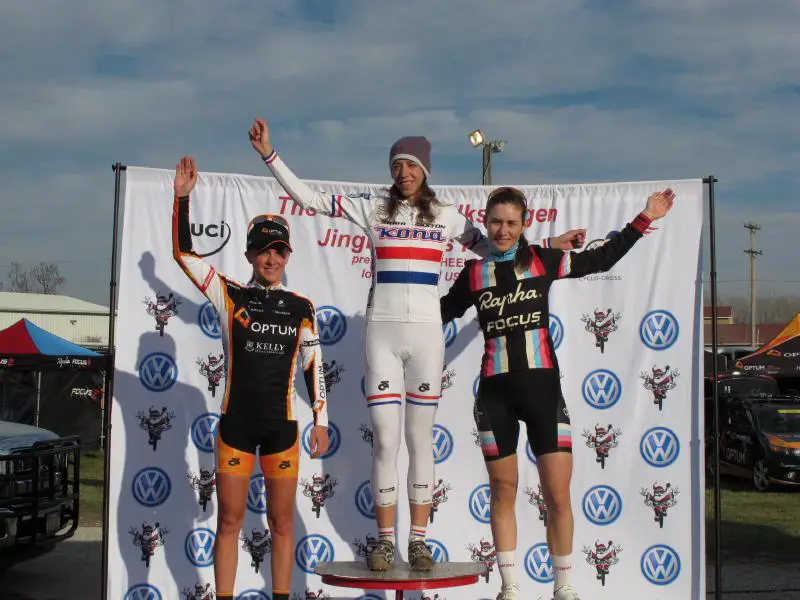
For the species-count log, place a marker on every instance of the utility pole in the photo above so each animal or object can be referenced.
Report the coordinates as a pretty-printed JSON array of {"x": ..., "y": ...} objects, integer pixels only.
[{"x": 753, "y": 227}]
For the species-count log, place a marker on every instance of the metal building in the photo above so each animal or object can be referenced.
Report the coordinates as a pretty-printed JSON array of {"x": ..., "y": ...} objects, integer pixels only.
[{"x": 78, "y": 321}]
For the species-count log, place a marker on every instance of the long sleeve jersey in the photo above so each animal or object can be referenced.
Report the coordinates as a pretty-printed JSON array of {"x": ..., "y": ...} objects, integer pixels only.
[
  {"x": 264, "y": 333},
  {"x": 406, "y": 255},
  {"x": 512, "y": 305}
]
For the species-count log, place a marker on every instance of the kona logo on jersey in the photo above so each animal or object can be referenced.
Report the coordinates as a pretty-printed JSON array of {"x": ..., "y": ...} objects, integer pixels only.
[
  {"x": 334, "y": 439},
  {"x": 210, "y": 239},
  {"x": 364, "y": 501},
  {"x": 659, "y": 447},
  {"x": 659, "y": 330},
  {"x": 661, "y": 564},
  {"x": 602, "y": 389},
  {"x": 556, "y": 331},
  {"x": 410, "y": 233},
  {"x": 602, "y": 505},
  {"x": 331, "y": 324},
  {"x": 143, "y": 591},
  {"x": 312, "y": 550},
  {"x": 158, "y": 372},
  {"x": 257, "y": 495},
  {"x": 602, "y": 557},
  {"x": 204, "y": 431},
  {"x": 538, "y": 565},
  {"x": 480, "y": 503},
  {"x": 208, "y": 320},
  {"x": 151, "y": 487},
  {"x": 488, "y": 300}
]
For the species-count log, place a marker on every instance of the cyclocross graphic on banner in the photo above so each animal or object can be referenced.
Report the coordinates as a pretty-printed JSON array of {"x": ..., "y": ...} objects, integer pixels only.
[{"x": 629, "y": 344}]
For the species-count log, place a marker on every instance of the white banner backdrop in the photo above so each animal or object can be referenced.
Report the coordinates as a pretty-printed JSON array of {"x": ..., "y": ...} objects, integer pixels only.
[{"x": 629, "y": 343}]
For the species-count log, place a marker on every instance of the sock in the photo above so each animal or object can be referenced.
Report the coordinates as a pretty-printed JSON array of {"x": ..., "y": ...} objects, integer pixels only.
[
  {"x": 507, "y": 566},
  {"x": 386, "y": 533},
  {"x": 224, "y": 596},
  {"x": 416, "y": 533},
  {"x": 562, "y": 566},
  {"x": 279, "y": 595}
]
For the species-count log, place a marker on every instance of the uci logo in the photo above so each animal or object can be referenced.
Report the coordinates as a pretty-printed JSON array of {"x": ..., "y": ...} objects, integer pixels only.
[
  {"x": 450, "y": 330},
  {"x": 158, "y": 372},
  {"x": 661, "y": 565},
  {"x": 660, "y": 447},
  {"x": 438, "y": 550},
  {"x": 200, "y": 547},
  {"x": 442, "y": 444},
  {"x": 143, "y": 591},
  {"x": 204, "y": 431},
  {"x": 556, "y": 330},
  {"x": 312, "y": 550},
  {"x": 602, "y": 505},
  {"x": 252, "y": 595},
  {"x": 659, "y": 330},
  {"x": 334, "y": 439},
  {"x": 529, "y": 452},
  {"x": 332, "y": 325},
  {"x": 479, "y": 503},
  {"x": 208, "y": 320},
  {"x": 364, "y": 502},
  {"x": 151, "y": 487},
  {"x": 538, "y": 564},
  {"x": 602, "y": 389},
  {"x": 210, "y": 239},
  {"x": 257, "y": 495}
]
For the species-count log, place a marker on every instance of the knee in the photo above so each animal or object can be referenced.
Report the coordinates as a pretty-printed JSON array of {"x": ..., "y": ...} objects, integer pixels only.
[
  {"x": 385, "y": 443},
  {"x": 558, "y": 501},
  {"x": 504, "y": 493},
  {"x": 419, "y": 438},
  {"x": 281, "y": 525},
  {"x": 229, "y": 521}
]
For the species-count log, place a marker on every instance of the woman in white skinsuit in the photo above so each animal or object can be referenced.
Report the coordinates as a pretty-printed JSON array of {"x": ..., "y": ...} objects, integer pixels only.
[{"x": 409, "y": 231}]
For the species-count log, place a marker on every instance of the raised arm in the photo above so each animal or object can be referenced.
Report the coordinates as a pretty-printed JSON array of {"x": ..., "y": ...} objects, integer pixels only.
[
  {"x": 313, "y": 367},
  {"x": 203, "y": 275},
  {"x": 356, "y": 210},
  {"x": 459, "y": 297}
]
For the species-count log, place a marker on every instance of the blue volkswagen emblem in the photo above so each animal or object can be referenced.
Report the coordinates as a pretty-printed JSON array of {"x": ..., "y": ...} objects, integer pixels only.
[
  {"x": 334, "y": 439},
  {"x": 442, "y": 444},
  {"x": 257, "y": 495},
  {"x": 204, "y": 431},
  {"x": 208, "y": 320},
  {"x": 556, "y": 330},
  {"x": 151, "y": 486},
  {"x": 143, "y": 591},
  {"x": 602, "y": 505},
  {"x": 331, "y": 325},
  {"x": 480, "y": 503},
  {"x": 659, "y": 329},
  {"x": 529, "y": 452},
  {"x": 538, "y": 564},
  {"x": 158, "y": 372},
  {"x": 200, "y": 547},
  {"x": 450, "y": 330},
  {"x": 364, "y": 502},
  {"x": 438, "y": 550},
  {"x": 660, "y": 447},
  {"x": 252, "y": 595},
  {"x": 312, "y": 550},
  {"x": 661, "y": 564},
  {"x": 602, "y": 389}
]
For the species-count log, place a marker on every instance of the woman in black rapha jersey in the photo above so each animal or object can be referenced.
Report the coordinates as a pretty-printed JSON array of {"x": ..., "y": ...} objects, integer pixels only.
[
  {"x": 267, "y": 331},
  {"x": 519, "y": 378}
]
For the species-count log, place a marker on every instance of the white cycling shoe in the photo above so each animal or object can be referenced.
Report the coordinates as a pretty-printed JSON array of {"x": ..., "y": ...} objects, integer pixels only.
[
  {"x": 566, "y": 592},
  {"x": 509, "y": 592}
]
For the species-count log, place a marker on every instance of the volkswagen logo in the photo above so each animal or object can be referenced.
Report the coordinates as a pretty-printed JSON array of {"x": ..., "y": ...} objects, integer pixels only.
[
  {"x": 312, "y": 550},
  {"x": 200, "y": 547},
  {"x": 442, "y": 444},
  {"x": 438, "y": 550},
  {"x": 143, "y": 591},
  {"x": 204, "y": 431},
  {"x": 257, "y": 495},
  {"x": 661, "y": 564},
  {"x": 538, "y": 564},
  {"x": 151, "y": 487},
  {"x": 480, "y": 503},
  {"x": 602, "y": 505},
  {"x": 364, "y": 502},
  {"x": 208, "y": 320},
  {"x": 331, "y": 324},
  {"x": 450, "y": 330},
  {"x": 158, "y": 372},
  {"x": 529, "y": 452},
  {"x": 252, "y": 595},
  {"x": 660, "y": 447},
  {"x": 334, "y": 439},
  {"x": 369, "y": 597},
  {"x": 556, "y": 330},
  {"x": 475, "y": 387},
  {"x": 659, "y": 330},
  {"x": 602, "y": 389}
]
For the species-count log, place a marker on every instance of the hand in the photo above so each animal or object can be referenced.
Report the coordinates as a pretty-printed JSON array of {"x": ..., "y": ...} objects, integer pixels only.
[
  {"x": 185, "y": 176},
  {"x": 659, "y": 204},
  {"x": 259, "y": 138},
  {"x": 574, "y": 238},
  {"x": 319, "y": 441}
]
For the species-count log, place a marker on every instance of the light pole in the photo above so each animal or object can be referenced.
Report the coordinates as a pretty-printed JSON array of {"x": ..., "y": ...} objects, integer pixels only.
[{"x": 476, "y": 138}]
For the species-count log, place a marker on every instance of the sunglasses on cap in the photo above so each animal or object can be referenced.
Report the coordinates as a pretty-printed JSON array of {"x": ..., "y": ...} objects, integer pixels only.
[
  {"x": 267, "y": 218},
  {"x": 268, "y": 229}
]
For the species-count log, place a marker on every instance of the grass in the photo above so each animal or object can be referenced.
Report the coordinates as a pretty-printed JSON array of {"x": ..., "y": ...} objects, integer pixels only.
[{"x": 755, "y": 525}]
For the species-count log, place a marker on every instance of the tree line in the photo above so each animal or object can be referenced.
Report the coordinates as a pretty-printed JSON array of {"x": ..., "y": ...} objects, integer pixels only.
[{"x": 42, "y": 278}]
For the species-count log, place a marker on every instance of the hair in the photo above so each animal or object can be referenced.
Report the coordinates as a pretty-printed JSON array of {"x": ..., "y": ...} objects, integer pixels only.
[
  {"x": 510, "y": 195},
  {"x": 426, "y": 201}
]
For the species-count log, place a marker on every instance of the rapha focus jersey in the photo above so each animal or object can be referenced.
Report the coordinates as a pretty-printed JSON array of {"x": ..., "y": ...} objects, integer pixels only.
[
  {"x": 265, "y": 333},
  {"x": 406, "y": 256},
  {"x": 512, "y": 305}
]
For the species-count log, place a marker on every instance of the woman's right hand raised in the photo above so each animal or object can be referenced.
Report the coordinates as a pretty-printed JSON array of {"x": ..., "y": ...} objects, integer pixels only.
[
  {"x": 259, "y": 138},
  {"x": 185, "y": 176}
]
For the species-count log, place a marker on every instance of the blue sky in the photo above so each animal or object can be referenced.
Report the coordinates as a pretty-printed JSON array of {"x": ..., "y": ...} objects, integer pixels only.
[{"x": 582, "y": 91}]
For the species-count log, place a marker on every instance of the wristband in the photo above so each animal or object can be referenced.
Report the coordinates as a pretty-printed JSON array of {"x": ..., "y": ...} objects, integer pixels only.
[{"x": 270, "y": 157}]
